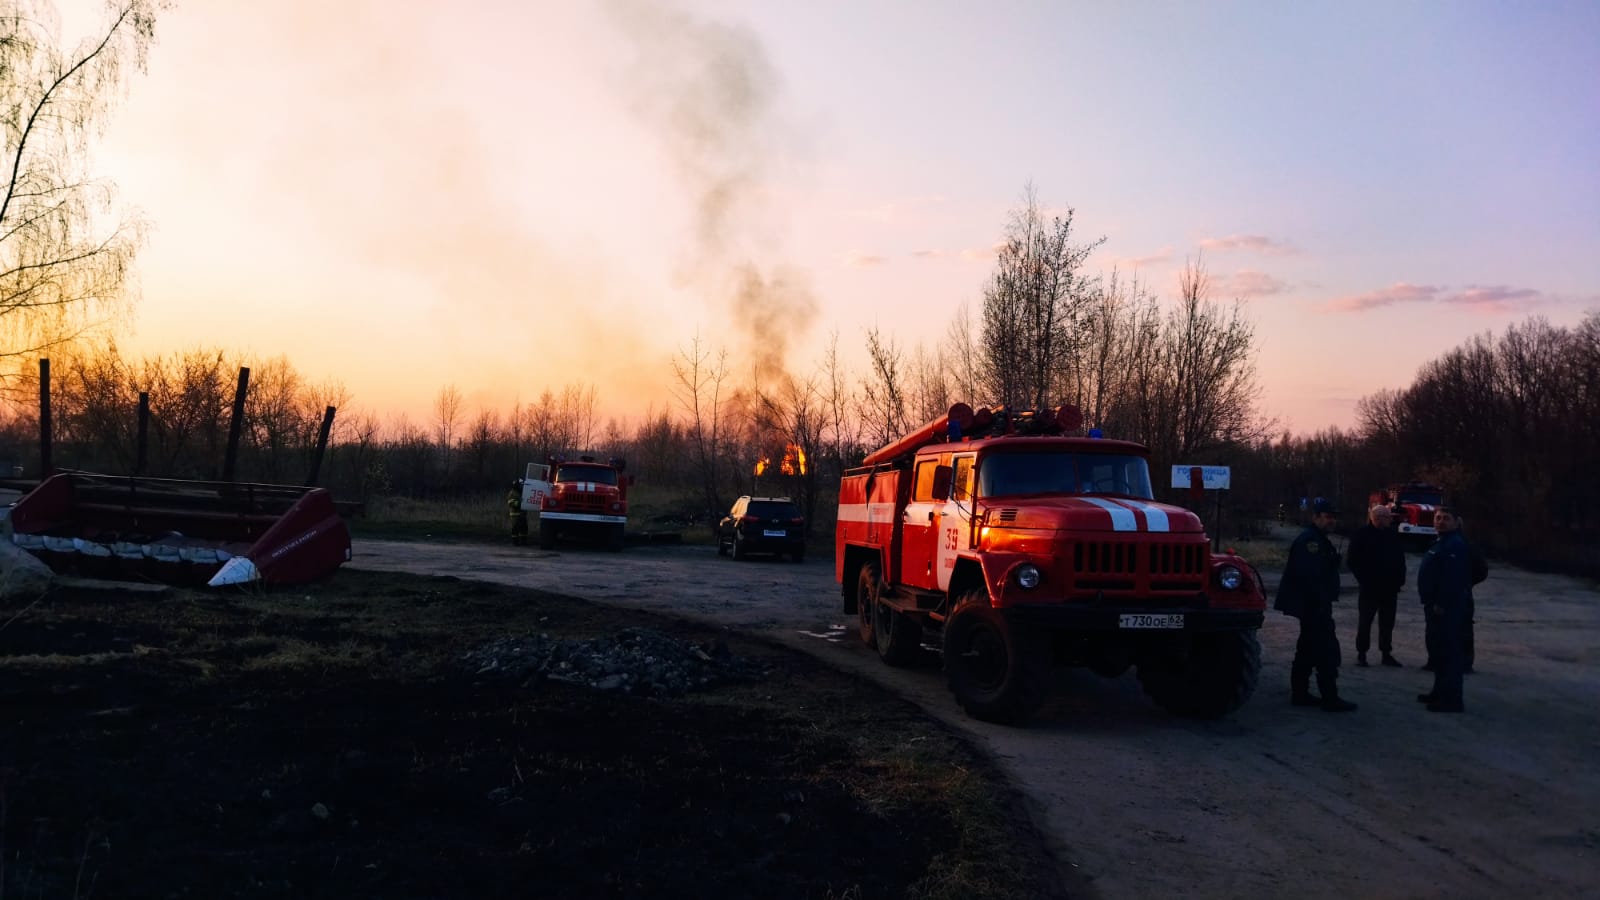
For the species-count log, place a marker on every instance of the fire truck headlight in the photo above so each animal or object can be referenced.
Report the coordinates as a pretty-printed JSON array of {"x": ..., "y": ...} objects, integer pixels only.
[
  {"x": 1028, "y": 576},
  {"x": 1230, "y": 578}
]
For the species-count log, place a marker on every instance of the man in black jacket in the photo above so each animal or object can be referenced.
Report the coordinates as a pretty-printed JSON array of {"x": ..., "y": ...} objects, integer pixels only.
[
  {"x": 1309, "y": 587},
  {"x": 1379, "y": 563}
]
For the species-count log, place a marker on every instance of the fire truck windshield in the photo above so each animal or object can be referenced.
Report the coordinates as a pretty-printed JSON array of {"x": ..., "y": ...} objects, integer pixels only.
[
  {"x": 598, "y": 474},
  {"x": 1428, "y": 498},
  {"x": 1007, "y": 474}
]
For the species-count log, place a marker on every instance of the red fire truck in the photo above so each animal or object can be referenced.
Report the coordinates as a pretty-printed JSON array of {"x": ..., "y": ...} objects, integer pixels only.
[
  {"x": 1414, "y": 504},
  {"x": 583, "y": 496},
  {"x": 1016, "y": 543}
]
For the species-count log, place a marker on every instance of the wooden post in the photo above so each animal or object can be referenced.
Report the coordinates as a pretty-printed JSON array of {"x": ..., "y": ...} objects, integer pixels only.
[
  {"x": 46, "y": 465},
  {"x": 144, "y": 432},
  {"x": 237, "y": 426},
  {"x": 322, "y": 446}
]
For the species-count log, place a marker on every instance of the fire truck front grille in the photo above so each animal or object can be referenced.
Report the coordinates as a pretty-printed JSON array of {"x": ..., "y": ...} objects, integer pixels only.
[
  {"x": 1177, "y": 559},
  {"x": 584, "y": 502},
  {"x": 1159, "y": 568},
  {"x": 1105, "y": 559}
]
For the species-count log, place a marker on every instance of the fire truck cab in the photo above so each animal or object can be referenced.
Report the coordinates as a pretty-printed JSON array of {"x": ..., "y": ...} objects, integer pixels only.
[
  {"x": 583, "y": 496},
  {"x": 1017, "y": 545}
]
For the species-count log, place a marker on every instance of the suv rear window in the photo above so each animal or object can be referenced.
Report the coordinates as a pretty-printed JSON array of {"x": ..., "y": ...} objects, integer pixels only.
[{"x": 769, "y": 509}]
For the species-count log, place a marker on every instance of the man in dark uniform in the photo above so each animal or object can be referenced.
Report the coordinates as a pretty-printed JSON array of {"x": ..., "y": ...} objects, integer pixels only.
[
  {"x": 1379, "y": 563},
  {"x": 519, "y": 516},
  {"x": 1308, "y": 590},
  {"x": 1444, "y": 581}
]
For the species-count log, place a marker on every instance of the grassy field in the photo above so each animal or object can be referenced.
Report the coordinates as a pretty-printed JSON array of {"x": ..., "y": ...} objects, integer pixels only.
[{"x": 344, "y": 740}]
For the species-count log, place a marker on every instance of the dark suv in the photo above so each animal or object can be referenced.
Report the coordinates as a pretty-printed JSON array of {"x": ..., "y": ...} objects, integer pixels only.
[{"x": 763, "y": 525}]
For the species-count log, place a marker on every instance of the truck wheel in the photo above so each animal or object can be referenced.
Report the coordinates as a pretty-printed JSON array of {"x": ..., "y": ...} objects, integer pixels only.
[
  {"x": 867, "y": 603},
  {"x": 996, "y": 673},
  {"x": 738, "y": 547},
  {"x": 899, "y": 636},
  {"x": 614, "y": 538},
  {"x": 1218, "y": 676},
  {"x": 547, "y": 535}
]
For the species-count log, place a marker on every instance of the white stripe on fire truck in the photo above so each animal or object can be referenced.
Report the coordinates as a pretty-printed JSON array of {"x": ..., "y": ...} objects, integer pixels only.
[
  {"x": 866, "y": 512},
  {"x": 1122, "y": 518},
  {"x": 1155, "y": 518}
]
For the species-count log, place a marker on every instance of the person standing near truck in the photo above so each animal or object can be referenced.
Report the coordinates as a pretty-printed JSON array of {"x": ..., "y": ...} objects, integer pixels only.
[
  {"x": 1308, "y": 590},
  {"x": 1444, "y": 581},
  {"x": 519, "y": 516},
  {"x": 1379, "y": 563}
]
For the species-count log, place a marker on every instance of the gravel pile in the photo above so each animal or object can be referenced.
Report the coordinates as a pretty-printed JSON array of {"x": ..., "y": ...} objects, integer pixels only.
[{"x": 634, "y": 661}]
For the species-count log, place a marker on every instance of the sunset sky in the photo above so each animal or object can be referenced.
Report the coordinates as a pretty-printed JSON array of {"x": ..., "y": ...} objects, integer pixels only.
[{"x": 509, "y": 196}]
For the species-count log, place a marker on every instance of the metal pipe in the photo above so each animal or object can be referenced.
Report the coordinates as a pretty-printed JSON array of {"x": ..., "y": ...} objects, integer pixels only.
[
  {"x": 322, "y": 446},
  {"x": 46, "y": 465},
  {"x": 237, "y": 426},
  {"x": 144, "y": 433}
]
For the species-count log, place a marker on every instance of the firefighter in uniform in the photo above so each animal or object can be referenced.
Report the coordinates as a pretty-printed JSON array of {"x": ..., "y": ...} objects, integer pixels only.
[
  {"x": 519, "y": 516},
  {"x": 1444, "y": 581},
  {"x": 1308, "y": 590}
]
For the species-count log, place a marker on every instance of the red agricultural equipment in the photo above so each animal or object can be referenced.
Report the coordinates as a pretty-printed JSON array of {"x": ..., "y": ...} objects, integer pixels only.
[{"x": 180, "y": 531}]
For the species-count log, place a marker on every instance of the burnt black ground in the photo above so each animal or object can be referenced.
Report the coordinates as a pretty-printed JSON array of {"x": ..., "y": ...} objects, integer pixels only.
[{"x": 327, "y": 742}]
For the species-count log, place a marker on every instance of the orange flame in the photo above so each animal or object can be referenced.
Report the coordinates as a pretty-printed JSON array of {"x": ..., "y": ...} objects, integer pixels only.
[
  {"x": 794, "y": 460},
  {"x": 762, "y": 464}
]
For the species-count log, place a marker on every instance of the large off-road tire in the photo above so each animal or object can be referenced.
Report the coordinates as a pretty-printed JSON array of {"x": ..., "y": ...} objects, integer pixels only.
[
  {"x": 616, "y": 535},
  {"x": 998, "y": 673},
  {"x": 867, "y": 603},
  {"x": 899, "y": 636},
  {"x": 547, "y": 535},
  {"x": 1218, "y": 676}
]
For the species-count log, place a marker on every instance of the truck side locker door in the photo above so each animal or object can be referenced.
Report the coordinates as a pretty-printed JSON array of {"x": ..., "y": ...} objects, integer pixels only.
[
  {"x": 920, "y": 526},
  {"x": 955, "y": 520},
  {"x": 883, "y": 520},
  {"x": 535, "y": 487}
]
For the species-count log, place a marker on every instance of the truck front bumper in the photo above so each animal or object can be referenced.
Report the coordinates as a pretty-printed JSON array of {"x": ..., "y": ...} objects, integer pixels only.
[{"x": 1133, "y": 619}]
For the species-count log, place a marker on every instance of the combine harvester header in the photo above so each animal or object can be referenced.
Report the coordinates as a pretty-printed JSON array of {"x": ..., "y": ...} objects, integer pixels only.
[{"x": 181, "y": 531}]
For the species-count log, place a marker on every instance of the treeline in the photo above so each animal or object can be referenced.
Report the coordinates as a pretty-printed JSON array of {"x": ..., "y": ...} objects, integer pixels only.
[{"x": 1509, "y": 426}]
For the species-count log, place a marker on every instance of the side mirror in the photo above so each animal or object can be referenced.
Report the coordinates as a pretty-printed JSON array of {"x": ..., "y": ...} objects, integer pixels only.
[{"x": 942, "y": 476}]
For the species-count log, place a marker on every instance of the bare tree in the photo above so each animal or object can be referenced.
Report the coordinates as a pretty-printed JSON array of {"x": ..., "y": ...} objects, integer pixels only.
[
  {"x": 64, "y": 257},
  {"x": 699, "y": 376},
  {"x": 844, "y": 424},
  {"x": 446, "y": 416},
  {"x": 1033, "y": 305},
  {"x": 884, "y": 390}
]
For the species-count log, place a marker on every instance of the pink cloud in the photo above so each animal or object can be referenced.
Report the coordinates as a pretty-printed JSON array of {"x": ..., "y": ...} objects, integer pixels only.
[
  {"x": 858, "y": 259},
  {"x": 929, "y": 254},
  {"x": 1252, "y": 242},
  {"x": 1399, "y": 292},
  {"x": 1478, "y": 298},
  {"x": 1163, "y": 255},
  {"x": 981, "y": 254},
  {"x": 1250, "y": 283},
  {"x": 1494, "y": 298}
]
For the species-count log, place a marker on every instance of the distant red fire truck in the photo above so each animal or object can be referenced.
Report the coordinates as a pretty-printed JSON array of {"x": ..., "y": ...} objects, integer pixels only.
[
  {"x": 1017, "y": 545},
  {"x": 579, "y": 497}
]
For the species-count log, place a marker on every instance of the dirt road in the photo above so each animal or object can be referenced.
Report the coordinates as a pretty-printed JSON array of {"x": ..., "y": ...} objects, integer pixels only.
[{"x": 1390, "y": 801}]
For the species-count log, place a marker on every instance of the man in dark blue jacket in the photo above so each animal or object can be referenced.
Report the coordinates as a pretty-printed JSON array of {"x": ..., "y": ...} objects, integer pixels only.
[
  {"x": 1444, "y": 581},
  {"x": 1308, "y": 590},
  {"x": 1379, "y": 563}
]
